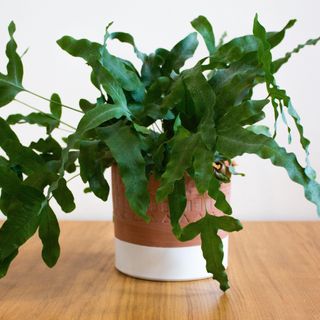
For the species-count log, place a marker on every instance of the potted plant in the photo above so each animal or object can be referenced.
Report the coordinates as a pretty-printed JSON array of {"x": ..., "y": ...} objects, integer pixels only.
[{"x": 168, "y": 132}]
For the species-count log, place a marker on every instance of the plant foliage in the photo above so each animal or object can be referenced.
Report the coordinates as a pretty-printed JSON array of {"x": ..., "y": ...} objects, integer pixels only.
[{"x": 164, "y": 119}]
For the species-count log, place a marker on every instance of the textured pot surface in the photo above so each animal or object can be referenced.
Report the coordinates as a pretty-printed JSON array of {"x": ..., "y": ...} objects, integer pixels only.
[
  {"x": 131, "y": 228},
  {"x": 150, "y": 251}
]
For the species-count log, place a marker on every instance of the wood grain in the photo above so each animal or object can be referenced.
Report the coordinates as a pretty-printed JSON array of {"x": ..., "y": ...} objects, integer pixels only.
[{"x": 274, "y": 272}]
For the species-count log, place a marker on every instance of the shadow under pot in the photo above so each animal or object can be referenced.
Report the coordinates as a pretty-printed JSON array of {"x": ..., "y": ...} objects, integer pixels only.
[{"x": 151, "y": 251}]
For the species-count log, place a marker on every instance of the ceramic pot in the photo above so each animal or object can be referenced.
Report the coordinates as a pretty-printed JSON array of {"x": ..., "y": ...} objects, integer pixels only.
[{"x": 151, "y": 251}]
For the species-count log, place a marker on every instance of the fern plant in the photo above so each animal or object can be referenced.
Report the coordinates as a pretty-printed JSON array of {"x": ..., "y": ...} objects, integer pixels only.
[{"x": 165, "y": 120}]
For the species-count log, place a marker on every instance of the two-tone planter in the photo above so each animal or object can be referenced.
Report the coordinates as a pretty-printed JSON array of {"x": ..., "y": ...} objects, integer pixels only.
[{"x": 151, "y": 251}]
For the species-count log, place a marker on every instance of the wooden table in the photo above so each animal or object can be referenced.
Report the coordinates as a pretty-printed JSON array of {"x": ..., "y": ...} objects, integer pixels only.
[{"x": 274, "y": 272}]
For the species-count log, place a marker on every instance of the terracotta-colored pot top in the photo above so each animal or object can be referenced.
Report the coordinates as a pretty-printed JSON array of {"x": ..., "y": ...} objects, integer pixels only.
[{"x": 131, "y": 228}]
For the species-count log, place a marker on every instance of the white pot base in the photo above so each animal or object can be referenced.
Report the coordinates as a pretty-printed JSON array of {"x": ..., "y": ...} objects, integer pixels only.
[{"x": 163, "y": 264}]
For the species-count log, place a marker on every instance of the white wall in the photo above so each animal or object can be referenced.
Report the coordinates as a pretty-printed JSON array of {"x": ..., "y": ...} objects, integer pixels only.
[{"x": 265, "y": 192}]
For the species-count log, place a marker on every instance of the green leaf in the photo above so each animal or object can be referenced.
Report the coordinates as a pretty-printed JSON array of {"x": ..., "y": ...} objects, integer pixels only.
[
  {"x": 48, "y": 146},
  {"x": 92, "y": 167},
  {"x": 127, "y": 38},
  {"x": 212, "y": 249},
  {"x": 203, "y": 26},
  {"x": 64, "y": 196},
  {"x": 41, "y": 119},
  {"x": 49, "y": 232},
  {"x": 105, "y": 79},
  {"x": 274, "y": 38},
  {"x": 201, "y": 94},
  {"x": 100, "y": 114},
  {"x": 248, "y": 112},
  {"x": 211, "y": 243},
  {"x": 180, "y": 159},
  {"x": 5, "y": 263},
  {"x": 55, "y": 105},
  {"x": 128, "y": 79},
  {"x": 11, "y": 84},
  {"x": 177, "y": 204},
  {"x": 277, "y": 64},
  {"x": 215, "y": 193},
  {"x": 18, "y": 154},
  {"x": 86, "y": 105},
  {"x": 23, "y": 215},
  {"x": 180, "y": 53},
  {"x": 83, "y": 48},
  {"x": 237, "y": 141},
  {"x": 234, "y": 84},
  {"x": 202, "y": 165},
  {"x": 259, "y": 129},
  {"x": 131, "y": 164}
]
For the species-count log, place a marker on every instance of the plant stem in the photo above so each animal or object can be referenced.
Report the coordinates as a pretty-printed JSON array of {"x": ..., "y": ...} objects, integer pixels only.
[
  {"x": 44, "y": 98},
  {"x": 75, "y": 176},
  {"x": 52, "y": 116}
]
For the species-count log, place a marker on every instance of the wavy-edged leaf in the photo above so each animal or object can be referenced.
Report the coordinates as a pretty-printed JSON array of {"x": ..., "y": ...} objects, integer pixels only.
[
  {"x": 211, "y": 243},
  {"x": 18, "y": 154},
  {"x": 41, "y": 119},
  {"x": 215, "y": 193},
  {"x": 49, "y": 148},
  {"x": 203, "y": 26},
  {"x": 180, "y": 53},
  {"x": 131, "y": 164},
  {"x": 278, "y": 96},
  {"x": 237, "y": 141},
  {"x": 212, "y": 249},
  {"x": 83, "y": 48},
  {"x": 64, "y": 196},
  {"x": 277, "y": 64},
  {"x": 49, "y": 232},
  {"x": 11, "y": 84},
  {"x": 127, "y": 38},
  {"x": 92, "y": 166}
]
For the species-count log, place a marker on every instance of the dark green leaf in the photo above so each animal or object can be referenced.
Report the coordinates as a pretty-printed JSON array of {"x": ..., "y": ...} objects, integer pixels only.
[
  {"x": 212, "y": 249},
  {"x": 277, "y": 64},
  {"x": 215, "y": 193},
  {"x": 92, "y": 166},
  {"x": 180, "y": 53},
  {"x": 49, "y": 232},
  {"x": 83, "y": 48},
  {"x": 100, "y": 114},
  {"x": 23, "y": 216},
  {"x": 127, "y": 38},
  {"x": 180, "y": 160},
  {"x": 203, "y": 26},
  {"x": 55, "y": 105},
  {"x": 202, "y": 165},
  {"x": 237, "y": 141},
  {"x": 11, "y": 84},
  {"x": 131, "y": 164},
  {"x": 64, "y": 196},
  {"x": 86, "y": 105},
  {"x": 177, "y": 204}
]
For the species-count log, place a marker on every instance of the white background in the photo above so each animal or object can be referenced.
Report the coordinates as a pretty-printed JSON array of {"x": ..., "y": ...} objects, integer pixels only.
[{"x": 266, "y": 193}]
